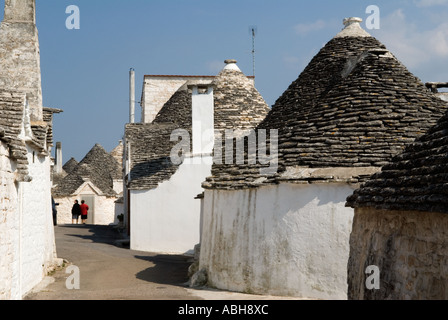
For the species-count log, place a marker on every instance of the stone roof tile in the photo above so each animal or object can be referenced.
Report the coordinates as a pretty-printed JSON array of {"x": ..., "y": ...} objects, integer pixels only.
[
  {"x": 237, "y": 105},
  {"x": 98, "y": 166},
  {"x": 415, "y": 180},
  {"x": 355, "y": 105}
]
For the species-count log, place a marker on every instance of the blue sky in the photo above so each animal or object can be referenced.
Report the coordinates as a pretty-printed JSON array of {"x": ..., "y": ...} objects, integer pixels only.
[{"x": 85, "y": 72}]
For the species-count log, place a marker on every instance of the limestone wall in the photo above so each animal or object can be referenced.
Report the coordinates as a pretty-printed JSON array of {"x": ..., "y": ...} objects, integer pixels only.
[
  {"x": 18, "y": 33},
  {"x": 409, "y": 248}
]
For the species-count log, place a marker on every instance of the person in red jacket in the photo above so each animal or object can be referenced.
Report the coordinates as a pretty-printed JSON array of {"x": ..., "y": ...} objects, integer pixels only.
[{"x": 84, "y": 211}]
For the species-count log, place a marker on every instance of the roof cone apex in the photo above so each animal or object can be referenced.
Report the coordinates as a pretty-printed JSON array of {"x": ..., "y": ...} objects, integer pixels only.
[
  {"x": 231, "y": 65},
  {"x": 352, "y": 28}
]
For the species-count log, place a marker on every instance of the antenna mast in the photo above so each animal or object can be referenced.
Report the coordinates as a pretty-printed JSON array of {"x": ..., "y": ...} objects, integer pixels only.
[{"x": 253, "y": 31}]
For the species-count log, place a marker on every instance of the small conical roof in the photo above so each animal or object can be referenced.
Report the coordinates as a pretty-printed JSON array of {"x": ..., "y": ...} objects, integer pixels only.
[
  {"x": 238, "y": 104},
  {"x": 70, "y": 165},
  {"x": 117, "y": 152},
  {"x": 98, "y": 166},
  {"x": 177, "y": 109},
  {"x": 100, "y": 159}
]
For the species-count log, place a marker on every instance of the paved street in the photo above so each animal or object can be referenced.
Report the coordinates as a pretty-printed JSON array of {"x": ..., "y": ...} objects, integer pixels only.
[
  {"x": 108, "y": 271},
  {"x": 112, "y": 272}
]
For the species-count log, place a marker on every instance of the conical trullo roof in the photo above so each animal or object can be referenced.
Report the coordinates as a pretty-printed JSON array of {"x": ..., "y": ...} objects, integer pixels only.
[
  {"x": 98, "y": 166},
  {"x": 177, "y": 109},
  {"x": 70, "y": 165},
  {"x": 354, "y": 106},
  {"x": 238, "y": 104},
  {"x": 415, "y": 180}
]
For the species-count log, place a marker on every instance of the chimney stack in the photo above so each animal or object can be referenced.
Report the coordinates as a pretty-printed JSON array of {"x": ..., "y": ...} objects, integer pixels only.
[
  {"x": 58, "y": 158},
  {"x": 132, "y": 96},
  {"x": 20, "y": 54},
  {"x": 202, "y": 118}
]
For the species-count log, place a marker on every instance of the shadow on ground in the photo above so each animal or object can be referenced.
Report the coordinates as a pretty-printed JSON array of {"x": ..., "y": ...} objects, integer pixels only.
[
  {"x": 167, "y": 269},
  {"x": 94, "y": 233}
]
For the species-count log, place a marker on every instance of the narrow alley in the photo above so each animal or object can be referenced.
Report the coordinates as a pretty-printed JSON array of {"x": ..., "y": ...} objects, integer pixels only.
[{"x": 109, "y": 271}]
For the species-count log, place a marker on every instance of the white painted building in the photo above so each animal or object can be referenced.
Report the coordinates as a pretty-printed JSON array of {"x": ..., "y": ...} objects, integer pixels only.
[
  {"x": 287, "y": 233},
  {"x": 96, "y": 179},
  {"x": 27, "y": 243},
  {"x": 163, "y": 214}
]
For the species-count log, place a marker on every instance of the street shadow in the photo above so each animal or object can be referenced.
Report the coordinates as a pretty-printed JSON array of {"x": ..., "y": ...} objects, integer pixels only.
[
  {"x": 93, "y": 233},
  {"x": 167, "y": 269}
]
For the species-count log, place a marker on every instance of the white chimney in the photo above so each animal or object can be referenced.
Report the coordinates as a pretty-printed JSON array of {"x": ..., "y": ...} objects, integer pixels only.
[
  {"x": 132, "y": 96},
  {"x": 58, "y": 158},
  {"x": 202, "y": 119}
]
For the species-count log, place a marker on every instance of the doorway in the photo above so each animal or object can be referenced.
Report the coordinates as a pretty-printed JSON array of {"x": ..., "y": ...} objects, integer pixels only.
[{"x": 90, "y": 201}]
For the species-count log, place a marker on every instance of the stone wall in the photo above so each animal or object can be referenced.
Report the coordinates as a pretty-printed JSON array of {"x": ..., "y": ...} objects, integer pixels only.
[
  {"x": 408, "y": 247},
  {"x": 18, "y": 34}
]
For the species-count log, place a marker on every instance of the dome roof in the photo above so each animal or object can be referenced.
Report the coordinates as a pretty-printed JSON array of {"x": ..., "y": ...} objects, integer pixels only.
[
  {"x": 238, "y": 104},
  {"x": 354, "y": 106}
]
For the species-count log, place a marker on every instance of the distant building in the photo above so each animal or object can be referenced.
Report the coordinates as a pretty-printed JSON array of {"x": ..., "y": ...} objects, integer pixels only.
[
  {"x": 163, "y": 214},
  {"x": 97, "y": 180},
  {"x": 27, "y": 243},
  {"x": 349, "y": 112}
]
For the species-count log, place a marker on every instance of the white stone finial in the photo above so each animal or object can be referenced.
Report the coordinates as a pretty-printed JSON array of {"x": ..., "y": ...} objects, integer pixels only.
[
  {"x": 352, "y": 28},
  {"x": 349, "y": 21},
  {"x": 231, "y": 65}
]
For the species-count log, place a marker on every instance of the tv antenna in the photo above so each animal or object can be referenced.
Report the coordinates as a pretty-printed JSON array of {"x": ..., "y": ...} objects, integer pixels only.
[{"x": 253, "y": 31}]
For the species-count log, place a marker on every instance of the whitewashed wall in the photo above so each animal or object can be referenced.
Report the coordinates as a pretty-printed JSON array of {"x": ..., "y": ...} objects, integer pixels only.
[
  {"x": 9, "y": 226},
  {"x": 103, "y": 210},
  {"x": 38, "y": 242},
  {"x": 27, "y": 245},
  {"x": 167, "y": 219},
  {"x": 288, "y": 239}
]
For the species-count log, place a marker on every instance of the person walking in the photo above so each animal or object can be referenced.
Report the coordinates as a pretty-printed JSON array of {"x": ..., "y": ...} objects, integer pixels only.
[
  {"x": 76, "y": 212},
  {"x": 84, "y": 211}
]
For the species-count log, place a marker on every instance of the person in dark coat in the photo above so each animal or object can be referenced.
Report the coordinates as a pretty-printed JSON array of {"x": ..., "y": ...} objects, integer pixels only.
[{"x": 76, "y": 212}]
